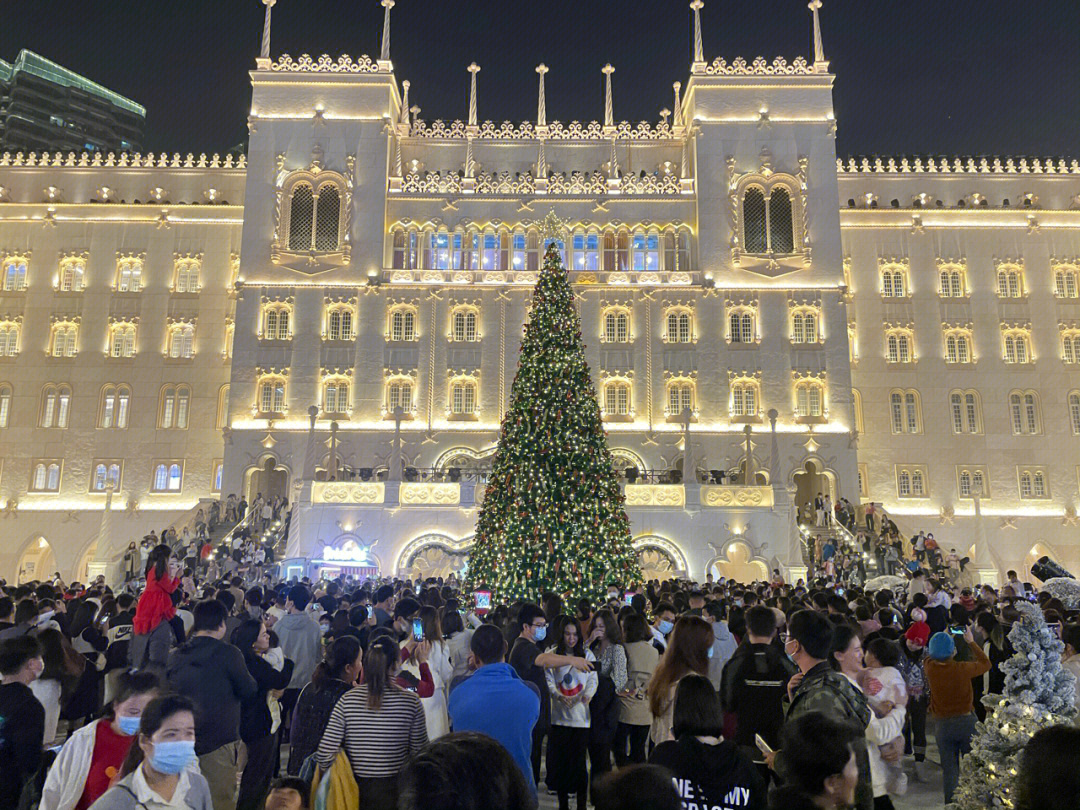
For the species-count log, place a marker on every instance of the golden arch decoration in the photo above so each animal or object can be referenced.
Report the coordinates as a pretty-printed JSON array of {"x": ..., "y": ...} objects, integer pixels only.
[
  {"x": 659, "y": 558},
  {"x": 738, "y": 563},
  {"x": 432, "y": 555}
]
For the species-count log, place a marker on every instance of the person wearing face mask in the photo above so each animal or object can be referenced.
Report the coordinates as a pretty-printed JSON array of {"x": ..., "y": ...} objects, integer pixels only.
[
  {"x": 663, "y": 624},
  {"x": 93, "y": 754},
  {"x": 912, "y": 651},
  {"x": 23, "y": 726},
  {"x": 159, "y": 772},
  {"x": 496, "y": 683}
]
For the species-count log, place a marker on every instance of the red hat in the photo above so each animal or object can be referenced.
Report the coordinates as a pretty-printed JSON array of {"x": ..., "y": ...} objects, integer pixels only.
[{"x": 919, "y": 631}]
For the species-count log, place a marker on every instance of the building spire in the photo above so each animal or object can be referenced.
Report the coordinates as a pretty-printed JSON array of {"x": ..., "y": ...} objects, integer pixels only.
[
  {"x": 473, "y": 69},
  {"x": 403, "y": 118},
  {"x": 264, "y": 52},
  {"x": 613, "y": 166},
  {"x": 385, "y": 55},
  {"x": 699, "y": 57},
  {"x": 541, "y": 107},
  {"x": 677, "y": 121},
  {"x": 820, "y": 65},
  {"x": 609, "y": 114}
]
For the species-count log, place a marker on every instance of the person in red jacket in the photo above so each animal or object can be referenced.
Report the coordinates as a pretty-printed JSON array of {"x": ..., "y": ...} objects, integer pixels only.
[{"x": 153, "y": 635}]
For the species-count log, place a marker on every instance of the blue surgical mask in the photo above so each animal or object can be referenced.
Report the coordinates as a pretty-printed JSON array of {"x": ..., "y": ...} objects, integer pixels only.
[
  {"x": 709, "y": 654},
  {"x": 541, "y": 633},
  {"x": 128, "y": 725},
  {"x": 665, "y": 626},
  {"x": 172, "y": 756}
]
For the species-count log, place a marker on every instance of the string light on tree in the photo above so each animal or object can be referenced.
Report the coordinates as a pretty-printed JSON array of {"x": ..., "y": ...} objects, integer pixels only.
[{"x": 553, "y": 517}]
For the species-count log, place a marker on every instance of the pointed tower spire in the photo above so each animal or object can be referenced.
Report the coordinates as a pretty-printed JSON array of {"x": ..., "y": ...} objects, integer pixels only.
[
  {"x": 264, "y": 52},
  {"x": 541, "y": 107},
  {"x": 820, "y": 65},
  {"x": 403, "y": 117},
  {"x": 473, "y": 69},
  {"x": 699, "y": 56},
  {"x": 609, "y": 113},
  {"x": 384, "y": 56},
  {"x": 677, "y": 122}
]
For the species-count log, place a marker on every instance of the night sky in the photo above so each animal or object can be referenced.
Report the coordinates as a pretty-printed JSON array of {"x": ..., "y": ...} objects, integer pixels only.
[{"x": 956, "y": 77}]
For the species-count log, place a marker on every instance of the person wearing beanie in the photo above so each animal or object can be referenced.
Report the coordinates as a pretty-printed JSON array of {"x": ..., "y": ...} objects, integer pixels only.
[
  {"x": 912, "y": 653},
  {"x": 952, "y": 700}
]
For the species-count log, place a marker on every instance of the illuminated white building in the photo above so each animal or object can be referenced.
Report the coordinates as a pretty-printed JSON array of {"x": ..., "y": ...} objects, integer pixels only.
[{"x": 914, "y": 325}]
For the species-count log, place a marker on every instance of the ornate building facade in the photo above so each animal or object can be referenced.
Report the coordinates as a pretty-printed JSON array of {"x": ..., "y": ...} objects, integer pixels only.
[{"x": 336, "y": 318}]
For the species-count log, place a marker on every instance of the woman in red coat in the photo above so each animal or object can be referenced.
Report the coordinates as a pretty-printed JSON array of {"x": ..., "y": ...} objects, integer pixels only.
[{"x": 153, "y": 635}]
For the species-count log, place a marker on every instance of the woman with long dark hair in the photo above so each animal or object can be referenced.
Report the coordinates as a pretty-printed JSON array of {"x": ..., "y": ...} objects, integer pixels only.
[
  {"x": 379, "y": 724},
  {"x": 333, "y": 678},
  {"x": 63, "y": 669},
  {"x": 158, "y": 769},
  {"x": 153, "y": 636},
  {"x": 258, "y": 729},
  {"x": 571, "y": 691},
  {"x": 688, "y": 649}
]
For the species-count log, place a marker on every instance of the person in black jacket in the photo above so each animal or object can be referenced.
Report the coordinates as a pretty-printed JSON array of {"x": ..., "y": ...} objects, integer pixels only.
[
  {"x": 213, "y": 674},
  {"x": 753, "y": 683},
  {"x": 708, "y": 770},
  {"x": 22, "y": 717},
  {"x": 258, "y": 726}
]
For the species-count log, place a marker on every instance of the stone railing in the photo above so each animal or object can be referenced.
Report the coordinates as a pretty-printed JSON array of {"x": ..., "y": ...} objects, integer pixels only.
[
  {"x": 556, "y": 131},
  {"x": 586, "y": 184},
  {"x": 956, "y": 165},
  {"x": 759, "y": 67},
  {"x": 124, "y": 160},
  {"x": 720, "y": 496}
]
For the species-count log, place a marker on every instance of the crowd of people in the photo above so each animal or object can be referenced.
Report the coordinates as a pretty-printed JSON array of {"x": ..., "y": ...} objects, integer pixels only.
[{"x": 193, "y": 686}]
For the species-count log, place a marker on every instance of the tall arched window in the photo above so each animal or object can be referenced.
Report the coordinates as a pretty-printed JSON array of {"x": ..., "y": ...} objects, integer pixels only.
[
  {"x": 1024, "y": 412},
  {"x": 905, "y": 412},
  {"x": 9, "y": 338},
  {"x": 1074, "y": 411},
  {"x": 617, "y": 326},
  {"x": 327, "y": 218},
  {"x": 115, "y": 406},
  {"x": 680, "y": 397},
  {"x": 680, "y": 326},
  {"x": 399, "y": 394},
  {"x": 781, "y": 221},
  {"x": 129, "y": 275},
  {"x": 339, "y": 323},
  {"x": 104, "y": 473},
  {"x": 464, "y": 325},
  {"x": 804, "y": 326},
  {"x": 46, "y": 477},
  {"x": 336, "y": 395},
  {"x": 809, "y": 399},
  {"x": 617, "y": 398},
  {"x": 55, "y": 406},
  {"x": 14, "y": 274},
  {"x": 168, "y": 477},
  {"x": 271, "y": 395},
  {"x": 301, "y": 217},
  {"x": 741, "y": 326},
  {"x": 1070, "y": 346},
  {"x": 64, "y": 339},
  {"x": 898, "y": 348},
  {"x": 5, "y": 405},
  {"x": 894, "y": 281},
  {"x": 72, "y": 275},
  {"x": 402, "y": 326},
  {"x": 768, "y": 220},
  {"x": 122, "y": 340},
  {"x": 181, "y": 340},
  {"x": 186, "y": 278},
  {"x": 745, "y": 398},
  {"x": 958, "y": 346},
  {"x": 463, "y": 397},
  {"x": 277, "y": 321},
  {"x": 1017, "y": 346},
  {"x": 1066, "y": 283},
  {"x": 175, "y": 407},
  {"x": 1010, "y": 282},
  {"x": 965, "y": 411},
  {"x": 952, "y": 282},
  {"x": 755, "y": 222}
]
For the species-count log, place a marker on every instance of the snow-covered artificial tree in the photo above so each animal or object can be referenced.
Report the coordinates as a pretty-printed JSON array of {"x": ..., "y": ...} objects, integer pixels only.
[{"x": 1039, "y": 692}]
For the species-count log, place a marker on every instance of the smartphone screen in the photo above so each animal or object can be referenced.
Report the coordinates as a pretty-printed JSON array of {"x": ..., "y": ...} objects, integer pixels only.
[
  {"x": 761, "y": 744},
  {"x": 417, "y": 630},
  {"x": 483, "y": 600},
  {"x": 628, "y": 597}
]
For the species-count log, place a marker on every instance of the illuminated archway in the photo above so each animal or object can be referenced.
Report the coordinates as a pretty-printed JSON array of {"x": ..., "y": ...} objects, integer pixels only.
[
  {"x": 659, "y": 558},
  {"x": 37, "y": 561},
  {"x": 433, "y": 555},
  {"x": 738, "y": 563},
  {"x": 269, "y": 477}
]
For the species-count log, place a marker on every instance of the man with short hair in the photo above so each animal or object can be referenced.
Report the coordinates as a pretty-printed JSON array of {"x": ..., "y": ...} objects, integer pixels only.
[
  {"x": 22, "y": 717},
  {"x": 213, "y": 674},
  {"x": 495, "y": 701},
  {"x": 663, "y": 624},
  {"x": 384, "y": 603},
  {"x": 301, "y": 642}
]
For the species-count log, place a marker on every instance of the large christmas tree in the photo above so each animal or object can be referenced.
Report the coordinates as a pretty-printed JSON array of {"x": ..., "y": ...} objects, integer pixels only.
[
  {"x": 1039, "y": 692},
  {"x": 553, "y": 516}
]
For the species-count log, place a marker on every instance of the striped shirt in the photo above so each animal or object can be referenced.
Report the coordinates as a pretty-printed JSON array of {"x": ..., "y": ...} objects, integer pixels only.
[{"x": 377, "y": 741}]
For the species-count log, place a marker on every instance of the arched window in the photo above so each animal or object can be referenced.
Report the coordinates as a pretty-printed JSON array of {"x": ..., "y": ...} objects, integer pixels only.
[
  {"x": 519, "y": 251},
  {"x": 804, "y": 326},
  {"x": 1024, "y": 411},
  {"x": 965, "y": 484},
  {"x": 918, "y": 486},
  {"x": 745, "y": 398},
  {"x": 187, "y": 276},
  {"x": 64, "y": 339},
  {"x": 271, "y": 394},
  {"x": 903, "y": 483},
  {"x": 1032, "y": 483},
  {"x": 55, "y": 406},
  {"x": 175, "y": 407},
  {"x": 327, "y": 218},
  {"x": 680, "y": 397},
  {"x": 129, "y": 275},
  {"x": 1070, "y": 346},
  {"x": 339, "y": 323},
  {"x": 277, "y": 322},
  {"x": 898, "y": 346},
  {"x": 905, "y": 412},
  {"x": 168, "y": 476},
  {"x": 463, "y": 397},
  {"x": 9, "y": 338},
  {"x": 402, "y": 325},
  {"x": 894, "y": 281},
  {"x": 230, "y": 334},
  {"x": 684, "y": 251},
  {"x": 1074, "y": 411},
  {"x": 122, "y": 340},
  {"x": 958, "y": 346},
  {"x": 464, "y": 325},
  {"x": 115, "y": 406},
  {"x": 952, "y": 282},
  {"x": 14, "y": 274},
  {"x": 622, "y": 251},
  {"x": 1010, "y": 282},
  {"x": 182, "y": 340},
  {"x": 222, "y": 419},
  {"x": 5, "y": 405},
  {"x": 617, "y": 398},
  {"x": 587, "y": 252},
  {"x": 966, "y": 413},
  {"x": 440, "y": 251},
  {"x": 336, "y": 396},
  {"x": 1017, "y": 347},
  {"x": 741, "y": 327},
  {"x": 781, "y": 233},
  {"x": 399, "y": 394},
  {"x": 680, "y": 326},
  {"x": 646, "y": 252},
  {"x": 105, "y": 472},
  {"x": 1065, "y": 283},
  {"x": 809, "y": 399},
  {"x": 72, "y": 275},
  {"x": 301, "y": 217},
  {"x": 755, "y": 221},
  {"x": 46, "y": 477},
  {"x": 617, "y": 326}
]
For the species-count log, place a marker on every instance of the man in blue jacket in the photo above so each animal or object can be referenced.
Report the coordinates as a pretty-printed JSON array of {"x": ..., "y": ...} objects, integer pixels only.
[{"x": 495, "y": 701}]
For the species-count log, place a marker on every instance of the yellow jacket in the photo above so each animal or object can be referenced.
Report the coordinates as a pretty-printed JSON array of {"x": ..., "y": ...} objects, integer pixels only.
[{"x": 336, "y": 789}]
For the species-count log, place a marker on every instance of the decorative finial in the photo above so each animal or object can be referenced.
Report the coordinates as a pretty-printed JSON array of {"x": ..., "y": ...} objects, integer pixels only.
[
  {"x": 552, "y": 227},
  {"x": 678, "y": 120},
  {"x": 470, "y": 161},
  {"x": 819, "y": 51},
  {"x": 264, "y": 53},
  {"x": 609, "y": 120},
  {"x": 473, "y": 69},
  {"x": 613, "y": 166},
  {"x": 699, "y": 58},
  {"x": 664, "y": 115},
  {"x": 404, "y": 119},
  {"x": 541, "y": 163},
  {"x": 541, "y": 107},
  {"x": 385, "y": 55}
]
